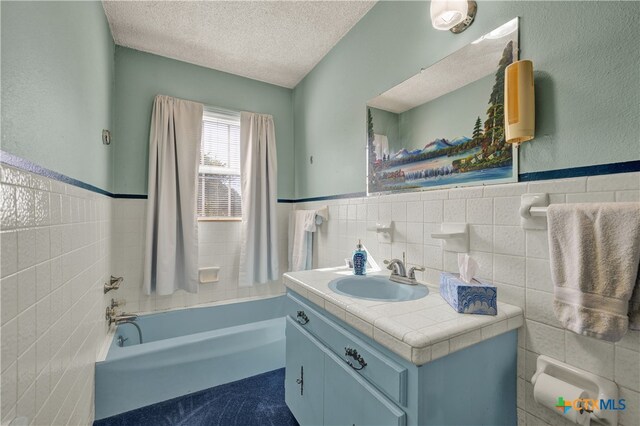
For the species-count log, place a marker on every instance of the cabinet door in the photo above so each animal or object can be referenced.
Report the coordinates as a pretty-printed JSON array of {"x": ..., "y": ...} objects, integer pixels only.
[
  {"x": 351, "y": 400},
  {"x": 304, "y": 382}
]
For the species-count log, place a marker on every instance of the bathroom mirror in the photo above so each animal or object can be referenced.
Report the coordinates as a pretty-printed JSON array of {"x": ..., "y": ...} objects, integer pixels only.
[{"x": 444, "y": 126}]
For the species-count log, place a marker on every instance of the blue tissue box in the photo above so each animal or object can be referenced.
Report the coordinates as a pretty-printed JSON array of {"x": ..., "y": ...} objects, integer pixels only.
[{"x": 475, "y": 298}]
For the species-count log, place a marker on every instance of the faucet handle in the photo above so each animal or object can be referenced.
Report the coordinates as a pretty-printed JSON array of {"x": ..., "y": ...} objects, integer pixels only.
[
  {"x": 110, "y": 314},
  {"x": 113, "y": 284},
  {"x": 412, "y": 271},
  {"x": 390, "y": 265},
  {"x": 115, "y": 303}
]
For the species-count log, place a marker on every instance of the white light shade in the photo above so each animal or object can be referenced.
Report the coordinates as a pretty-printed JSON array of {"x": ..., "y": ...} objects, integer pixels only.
[{"x": 446, "y": 14}]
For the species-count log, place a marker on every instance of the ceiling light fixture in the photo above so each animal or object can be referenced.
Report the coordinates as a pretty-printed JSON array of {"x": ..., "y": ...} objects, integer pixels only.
[{"x": 453, "y": 15}]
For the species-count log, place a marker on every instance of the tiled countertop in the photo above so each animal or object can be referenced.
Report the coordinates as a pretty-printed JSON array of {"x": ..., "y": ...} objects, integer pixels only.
[{"x": 418, "y": 330}]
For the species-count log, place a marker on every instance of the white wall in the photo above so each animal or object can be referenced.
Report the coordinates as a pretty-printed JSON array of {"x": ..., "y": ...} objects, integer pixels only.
[
  {"x": 55, "y": 259},
  {"x": 514, "y": 259},
  {"x": 57, "y": 244},
  {"x": 219, "y": 245}
]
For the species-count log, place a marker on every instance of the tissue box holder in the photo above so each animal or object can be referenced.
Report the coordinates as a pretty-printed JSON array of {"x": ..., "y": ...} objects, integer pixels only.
[{"x": 475, "y": 298}]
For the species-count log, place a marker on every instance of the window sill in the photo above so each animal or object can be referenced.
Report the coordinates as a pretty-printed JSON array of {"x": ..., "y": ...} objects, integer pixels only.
[{"x": 219, "y": 219}]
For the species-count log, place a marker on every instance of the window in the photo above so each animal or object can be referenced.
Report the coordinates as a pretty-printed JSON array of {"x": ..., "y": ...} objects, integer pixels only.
[{"x": 219, "y": 170}]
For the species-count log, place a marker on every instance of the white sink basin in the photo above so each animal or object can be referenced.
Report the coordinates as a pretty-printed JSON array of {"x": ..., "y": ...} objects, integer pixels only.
[{"x": 377, "y": 288}]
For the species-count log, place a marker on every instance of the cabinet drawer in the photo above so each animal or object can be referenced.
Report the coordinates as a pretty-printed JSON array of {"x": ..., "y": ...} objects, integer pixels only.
[{"x": 386, "y": 374}]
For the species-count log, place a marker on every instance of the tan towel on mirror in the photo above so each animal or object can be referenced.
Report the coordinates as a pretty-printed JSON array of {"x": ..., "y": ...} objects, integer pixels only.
[{"x": 594, "y": 252}]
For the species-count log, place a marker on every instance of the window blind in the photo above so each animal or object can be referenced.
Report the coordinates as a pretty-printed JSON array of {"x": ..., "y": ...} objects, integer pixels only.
[{"x": 219, "y": 170}]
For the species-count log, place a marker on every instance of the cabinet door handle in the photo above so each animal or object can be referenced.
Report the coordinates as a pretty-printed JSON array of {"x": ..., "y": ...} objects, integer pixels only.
[
  {"x": 302, "y": 318},
  {"x": 300, "y": 381},
  {"x": 356, "y": 356}
]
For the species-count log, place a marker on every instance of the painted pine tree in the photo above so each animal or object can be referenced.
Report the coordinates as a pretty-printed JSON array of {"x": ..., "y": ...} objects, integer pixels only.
[
  {"x": 494, "y": 125},
  {"x": 477, "y": 129},
  {"x": 373, "y": 181}
]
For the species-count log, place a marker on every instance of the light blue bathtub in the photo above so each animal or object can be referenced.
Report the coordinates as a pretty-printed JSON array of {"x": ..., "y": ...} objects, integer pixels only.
[{"x": 189, "y": 350}]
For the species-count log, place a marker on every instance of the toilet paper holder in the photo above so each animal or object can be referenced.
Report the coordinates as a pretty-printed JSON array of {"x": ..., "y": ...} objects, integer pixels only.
[{"x": 597, "y": 387}]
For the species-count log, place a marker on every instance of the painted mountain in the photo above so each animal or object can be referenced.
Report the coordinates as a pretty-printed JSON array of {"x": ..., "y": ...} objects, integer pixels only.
[
  {"x": 439, "y": 144},
  {"x": 403, "y": 153},
  {"x": 436, "y": 145},
  {"x": 460, "y": 140}
]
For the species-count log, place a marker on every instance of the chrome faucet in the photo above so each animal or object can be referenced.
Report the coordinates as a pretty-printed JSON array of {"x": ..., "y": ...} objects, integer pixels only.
[
  {"x": 399, "y": 272},
  {"x": 115, "y": 303},
  {"x": 113, "y": 317},
  {"x": 397, "y": 267},
  {"x": 114, "y": 284}
]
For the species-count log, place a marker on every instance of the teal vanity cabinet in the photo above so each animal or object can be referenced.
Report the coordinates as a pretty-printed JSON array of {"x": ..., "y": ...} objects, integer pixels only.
[
  {"x": 321, "y": 388},
  {"x": 304, "y": 378},
  {"x": 335, "y": 375}
]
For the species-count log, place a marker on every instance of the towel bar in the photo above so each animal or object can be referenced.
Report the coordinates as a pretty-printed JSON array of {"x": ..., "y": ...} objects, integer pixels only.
[
  {"x": 322, "y": 214},
  {"x": 538, "y": 211},
  {"x": 533, "y": 211}
]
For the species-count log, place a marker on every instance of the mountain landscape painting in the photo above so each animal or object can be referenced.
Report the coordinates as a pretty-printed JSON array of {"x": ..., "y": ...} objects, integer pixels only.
[{"x": 481, "y": 155}]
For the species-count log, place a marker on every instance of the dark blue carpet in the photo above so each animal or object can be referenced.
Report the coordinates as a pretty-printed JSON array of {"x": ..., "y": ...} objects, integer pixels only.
[{"x": 257, "y": 400}]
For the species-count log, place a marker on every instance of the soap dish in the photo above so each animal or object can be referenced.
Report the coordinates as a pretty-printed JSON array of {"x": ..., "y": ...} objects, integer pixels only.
[{"x": 209, "y": 275}]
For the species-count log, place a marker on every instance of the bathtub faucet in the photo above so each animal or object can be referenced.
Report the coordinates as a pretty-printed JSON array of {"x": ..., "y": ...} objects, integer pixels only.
[
  {"x": 114, "y": 284},
  {"x": 114, "y": 318}
]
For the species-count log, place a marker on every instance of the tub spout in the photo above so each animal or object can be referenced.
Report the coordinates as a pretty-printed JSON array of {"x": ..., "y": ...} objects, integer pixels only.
[
  {"x": 125, "y": 318},
  {"x": 115, "y": 318}
]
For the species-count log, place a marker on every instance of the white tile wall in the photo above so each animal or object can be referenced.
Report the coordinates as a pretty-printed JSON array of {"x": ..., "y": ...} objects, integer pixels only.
[
  {"x": 219, "y": 245},
  {"x": 514, "y": 259},
  {"x": 55, "y": 259},
  {"x": 57, "y": 243}
]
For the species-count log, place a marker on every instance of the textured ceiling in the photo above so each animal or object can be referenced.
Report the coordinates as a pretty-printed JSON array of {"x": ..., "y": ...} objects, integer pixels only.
[{"x": 278, "y": 42}]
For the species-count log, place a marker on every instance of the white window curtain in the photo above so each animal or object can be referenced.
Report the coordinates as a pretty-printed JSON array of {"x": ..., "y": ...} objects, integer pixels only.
[
  {"x": 171, "y": 253},
  {"x": 258, "y": 174}
]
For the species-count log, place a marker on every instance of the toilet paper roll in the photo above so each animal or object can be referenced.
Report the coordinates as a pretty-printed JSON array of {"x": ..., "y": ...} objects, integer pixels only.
[{"x": 548, "y": 389}]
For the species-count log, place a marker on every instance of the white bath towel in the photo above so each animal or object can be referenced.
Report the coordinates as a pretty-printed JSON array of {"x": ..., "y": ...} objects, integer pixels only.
[
  {"x": 594, "y": 253},
  {"x": 300, "y": 239}
]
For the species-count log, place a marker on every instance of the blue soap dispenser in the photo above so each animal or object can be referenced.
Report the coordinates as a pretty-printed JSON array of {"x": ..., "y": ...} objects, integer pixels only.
[{"x": 359, "y": 260}]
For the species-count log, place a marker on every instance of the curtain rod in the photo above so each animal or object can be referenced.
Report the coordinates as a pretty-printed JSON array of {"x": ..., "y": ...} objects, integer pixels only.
[
  {"x": 218, "y": 110},
  {"x": 207, "y": 107},
  {"x": 215, "y": 109}
]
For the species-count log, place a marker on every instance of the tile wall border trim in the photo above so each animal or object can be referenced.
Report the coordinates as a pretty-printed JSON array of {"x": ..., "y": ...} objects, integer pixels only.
[
  {"x": 573, "y": 172},
  {"x": 324, "y": 198},
  {"x": 598, "y": 169},
  {"x": 130, "y": 196},
  {"x": 28, "y": 166}
]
